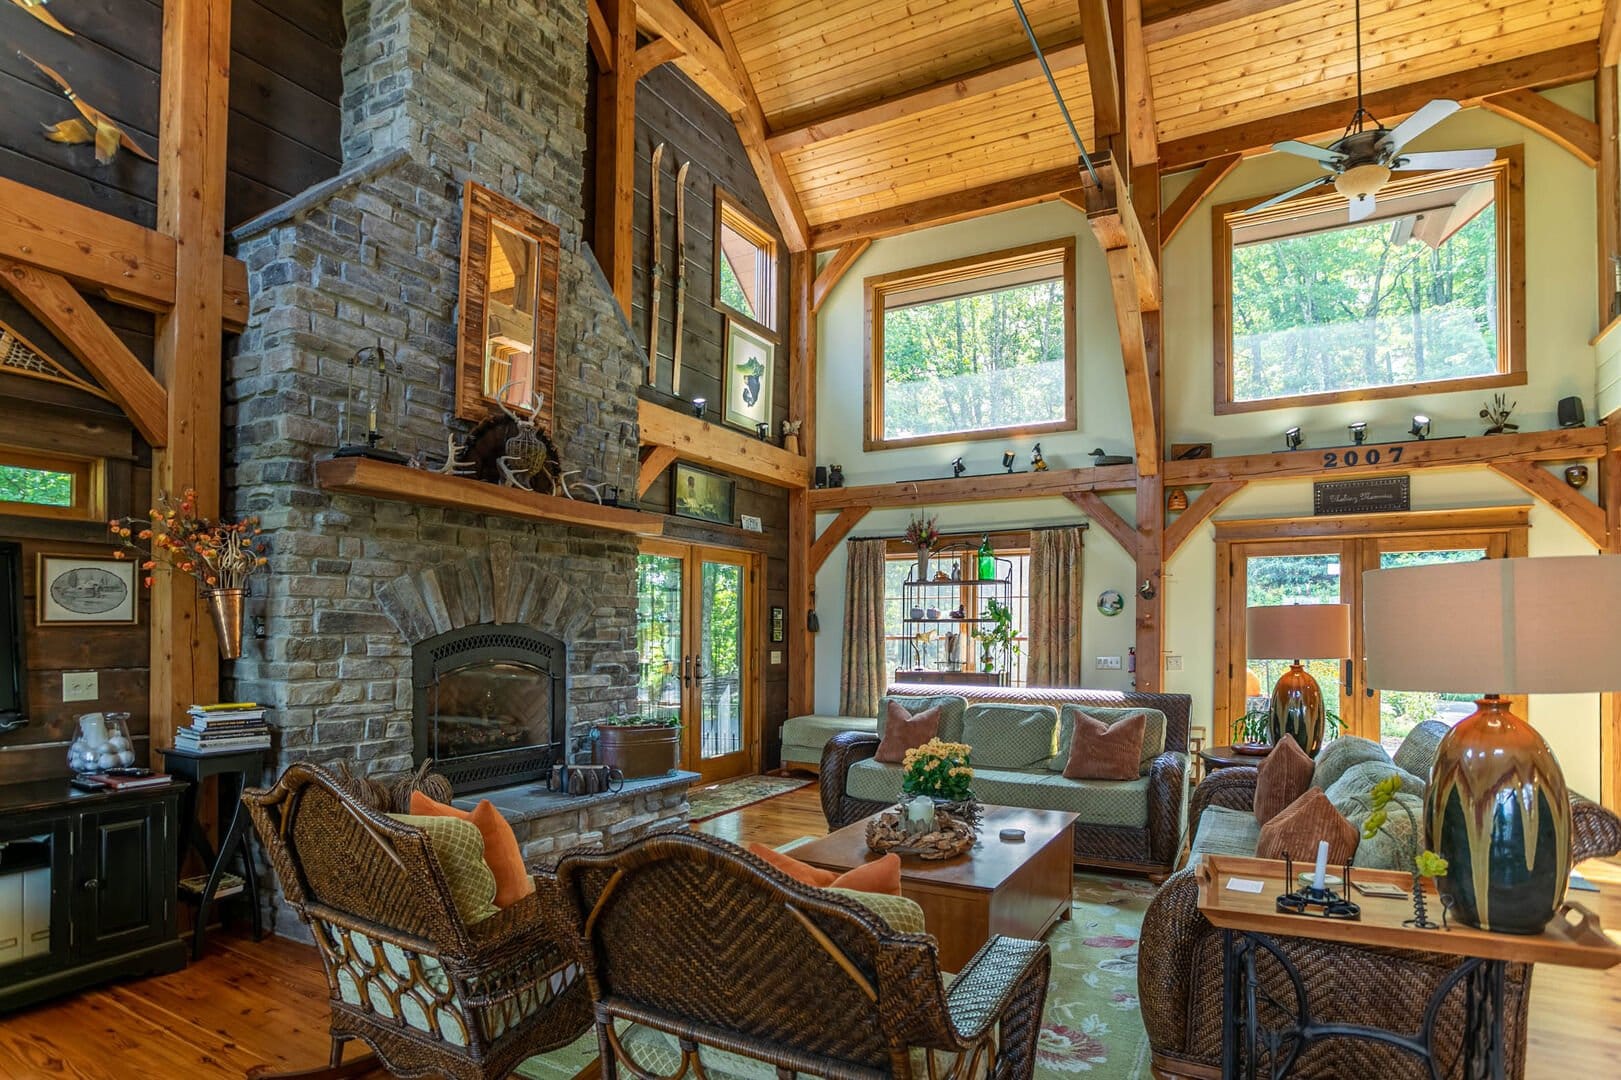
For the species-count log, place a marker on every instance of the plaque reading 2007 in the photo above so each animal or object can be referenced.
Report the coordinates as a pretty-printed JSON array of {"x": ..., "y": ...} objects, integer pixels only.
[{"x": 1372, "y": 495}]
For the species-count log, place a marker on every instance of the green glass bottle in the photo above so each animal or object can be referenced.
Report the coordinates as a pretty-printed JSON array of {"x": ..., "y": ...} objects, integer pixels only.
[{"x": 987, "y": 559}]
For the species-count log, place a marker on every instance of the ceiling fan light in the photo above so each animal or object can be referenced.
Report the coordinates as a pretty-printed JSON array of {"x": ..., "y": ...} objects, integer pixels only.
[{"x": 1360, "y": 181}]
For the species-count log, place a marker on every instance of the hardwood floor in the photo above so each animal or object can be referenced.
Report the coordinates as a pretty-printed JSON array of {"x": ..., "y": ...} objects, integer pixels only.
[{"x": 247, "y": 1004}]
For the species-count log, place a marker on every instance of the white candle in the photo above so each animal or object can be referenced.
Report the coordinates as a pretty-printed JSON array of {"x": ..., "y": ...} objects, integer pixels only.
[
  {"x": 93, "y": 728},
  {"x": 1322, "y": 865}
]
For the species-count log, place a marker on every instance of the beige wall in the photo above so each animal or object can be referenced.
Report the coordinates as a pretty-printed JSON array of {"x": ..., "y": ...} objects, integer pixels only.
[{"x": 1561, "y": 308}]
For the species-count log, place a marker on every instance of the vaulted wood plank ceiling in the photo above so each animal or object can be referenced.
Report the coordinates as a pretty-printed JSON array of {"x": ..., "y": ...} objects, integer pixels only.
[{"x": 879, "y": 104}]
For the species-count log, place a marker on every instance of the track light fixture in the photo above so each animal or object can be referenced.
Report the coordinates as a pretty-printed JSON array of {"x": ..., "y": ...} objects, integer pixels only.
[
  {"x": 698, "y": 404},
  {"x": 1359, "y": 431},
  {"x": 1292, "y": 439},
  {"x": 1421, "y": 427}
]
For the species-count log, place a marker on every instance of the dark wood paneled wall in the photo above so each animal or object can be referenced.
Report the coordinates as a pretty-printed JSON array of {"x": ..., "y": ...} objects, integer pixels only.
[{"x": 286, "y": 84}]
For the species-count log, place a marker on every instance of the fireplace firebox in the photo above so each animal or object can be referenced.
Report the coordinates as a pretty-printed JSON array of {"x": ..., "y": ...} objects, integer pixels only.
[{"x": 490, "y": 705}]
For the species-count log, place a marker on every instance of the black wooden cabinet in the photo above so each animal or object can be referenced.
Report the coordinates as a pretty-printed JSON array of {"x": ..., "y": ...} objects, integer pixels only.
[{"x": 112, "y": 861}]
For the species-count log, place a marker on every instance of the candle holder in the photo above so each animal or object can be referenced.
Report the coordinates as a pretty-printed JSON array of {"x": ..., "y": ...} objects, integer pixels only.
[
  {"x": 367, "y": 395},
  {"x": 1322, "y": 903}
]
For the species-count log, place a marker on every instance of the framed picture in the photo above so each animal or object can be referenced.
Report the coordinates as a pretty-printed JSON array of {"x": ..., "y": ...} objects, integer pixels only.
[
  {"x": 751, "y": 357},
  {"x": 777, "y": 624},
  {"x": 703, "y": 495},
  {"x": 86, "y": 591}
]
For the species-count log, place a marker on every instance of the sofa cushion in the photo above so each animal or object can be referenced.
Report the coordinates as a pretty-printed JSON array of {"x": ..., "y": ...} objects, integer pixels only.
[
  {"x": 1281, "y": 778},
  {"x": 1392, "y": 847},
  {"x": 951, "y": 709},
  {"x": 1416, "y": 753},
  {"x": 905, "y": 730},
  {"x": 1097, "y": 802},
  {"x": 1100, "y": 751},
  {"x": 1225, "y": 831},
  {"x": 1359, "y": 780},
  {"x": 804, "y": 736},
  {"x": 1298, "y": 829},
  {"x": 1153, "y": 732},
  {"x": 1340, "y": 754},
  {"x": 1010, "y": 736}
]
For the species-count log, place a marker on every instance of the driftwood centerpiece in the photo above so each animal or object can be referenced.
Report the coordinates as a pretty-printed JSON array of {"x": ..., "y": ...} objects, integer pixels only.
[{"x": 950, "y": 837}]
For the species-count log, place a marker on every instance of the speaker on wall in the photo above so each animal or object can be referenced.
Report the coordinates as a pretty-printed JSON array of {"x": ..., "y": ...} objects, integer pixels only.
[
  {"x": 1571, "y": 413},
  {"x": 821, "y": 476}
]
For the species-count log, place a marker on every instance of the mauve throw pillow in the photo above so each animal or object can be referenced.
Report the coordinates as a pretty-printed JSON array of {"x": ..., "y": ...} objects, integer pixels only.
[
  {"x": 1283, "y": 776},
  {"x": 1099, "y": 751},
  {"x": 903, "y": 730},
  {"x": 1296, "y": 830}
]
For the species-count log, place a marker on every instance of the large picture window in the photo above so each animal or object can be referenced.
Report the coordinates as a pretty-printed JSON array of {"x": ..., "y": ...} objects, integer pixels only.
[
  {"x": 905, "y": 650},
  {"x": 1426, "y": 294},
  {"x": 976, "y": 348}
]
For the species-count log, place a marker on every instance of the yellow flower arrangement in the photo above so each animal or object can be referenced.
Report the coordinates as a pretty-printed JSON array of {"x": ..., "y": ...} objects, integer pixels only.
[{"x": 938, "y": 769}]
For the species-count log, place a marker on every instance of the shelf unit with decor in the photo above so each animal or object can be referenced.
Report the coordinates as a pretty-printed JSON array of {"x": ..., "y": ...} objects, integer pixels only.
[{"x": 969, "y": 595}]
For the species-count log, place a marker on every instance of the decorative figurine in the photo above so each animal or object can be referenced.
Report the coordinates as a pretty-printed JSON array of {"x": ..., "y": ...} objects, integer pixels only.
[
  {"x": 1037, "y": 462},
  {"x": 1496, "y": 414},
  {"x": 1177, "y": 500},
  {"x": 790, "y": 435},
  {"x": 835, "y": 476},
  {"x": 1101, "y": 457},
  {"x": 1576, "y": 476}
]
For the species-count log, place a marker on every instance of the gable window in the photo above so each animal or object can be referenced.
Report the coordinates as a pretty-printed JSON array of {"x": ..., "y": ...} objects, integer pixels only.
[
  {"x": 745, "y": 262},
  {"x": 41, "y": 485},
  {"x": 976, "y": 348},
  {"x": 1424, "y": 295}
]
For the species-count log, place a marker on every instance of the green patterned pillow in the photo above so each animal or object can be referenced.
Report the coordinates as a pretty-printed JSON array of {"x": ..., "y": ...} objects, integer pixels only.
[
  {"x": 1416, "y": 753},
  {"x": 1153, "y": 733},
  {"x": 903, "y": 915},
  {"x": 1338, "y": 755},
  {"x": 951, "y": 710},
  {"x": 459, "y": 847},
  {"x": 1010, "y": 736}
]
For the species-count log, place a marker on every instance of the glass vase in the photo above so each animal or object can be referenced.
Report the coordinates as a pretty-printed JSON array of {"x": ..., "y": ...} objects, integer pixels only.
[{"x": 102, "y": 742}]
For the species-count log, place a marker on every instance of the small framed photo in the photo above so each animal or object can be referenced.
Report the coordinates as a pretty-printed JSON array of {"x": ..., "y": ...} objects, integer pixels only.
[
  {"x": 778, "y": 619},
  {"x": 86, "y": 591},
  {"x": 751, "y": 358},
  {"x": 704, "y": 495}
]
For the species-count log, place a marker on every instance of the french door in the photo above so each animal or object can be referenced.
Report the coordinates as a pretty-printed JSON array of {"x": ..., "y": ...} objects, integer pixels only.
[{"x": 695, "y": 637}]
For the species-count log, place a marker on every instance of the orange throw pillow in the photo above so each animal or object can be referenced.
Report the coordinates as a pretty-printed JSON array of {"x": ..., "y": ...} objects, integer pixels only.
[
  {"x": 1297, "y": 829},
  {"x": 879, "y": 876},
  {"x": 1099, "y": 751},
  {"x": 904, "y": 731},
  {"x": 1281, "y": 778},
  {"x": 501, "y": 851}
]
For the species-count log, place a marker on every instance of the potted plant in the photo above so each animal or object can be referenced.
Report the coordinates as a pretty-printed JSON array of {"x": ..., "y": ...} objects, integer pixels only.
[
  {"x": 997, "y": 633},
  {"x": 638, "y": 746},
  {"x": 939, "y": 773},
  {"x": 924, "y": 535},
  {"x": 1426, "y": 863}
]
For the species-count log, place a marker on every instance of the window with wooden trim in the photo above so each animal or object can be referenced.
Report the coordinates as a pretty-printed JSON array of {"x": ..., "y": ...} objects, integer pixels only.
[
  {"x": 745, "y": 262},
  {"x": 50, "y": 485},
  {"x": 975, "y": 348},
  {"x": 932, "y": 648},
  {"x": 1426, "y": 294}
]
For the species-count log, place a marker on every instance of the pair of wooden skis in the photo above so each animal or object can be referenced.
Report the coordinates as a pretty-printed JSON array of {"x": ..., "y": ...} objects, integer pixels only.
[{"x": 658, "y": 271}]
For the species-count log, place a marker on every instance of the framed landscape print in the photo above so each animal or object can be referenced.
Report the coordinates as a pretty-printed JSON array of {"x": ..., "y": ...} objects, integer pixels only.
[
  {"x": 703, "y": 495},
  {"x": 86, "y": 591},
  {"x": 750, "y": 360}
]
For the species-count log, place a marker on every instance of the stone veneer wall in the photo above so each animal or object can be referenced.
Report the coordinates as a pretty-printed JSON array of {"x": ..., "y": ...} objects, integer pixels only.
[{"x": 436, "y": 92}]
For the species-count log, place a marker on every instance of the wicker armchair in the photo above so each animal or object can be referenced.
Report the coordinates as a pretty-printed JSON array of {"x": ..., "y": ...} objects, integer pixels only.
[
  {"x": 429, "y": 994},
  {"x": 1179, "y": 970},
  {"x": 689, "y": 941}
]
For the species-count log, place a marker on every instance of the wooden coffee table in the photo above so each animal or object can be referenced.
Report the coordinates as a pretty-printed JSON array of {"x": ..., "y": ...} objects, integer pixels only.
[{"x": 1015, "y": 888}]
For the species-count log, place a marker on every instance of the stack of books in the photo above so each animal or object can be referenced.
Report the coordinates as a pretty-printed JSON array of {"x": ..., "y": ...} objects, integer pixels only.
[
  {"x": 114, "y": 782},
  {"x": 228, "y": 728}
]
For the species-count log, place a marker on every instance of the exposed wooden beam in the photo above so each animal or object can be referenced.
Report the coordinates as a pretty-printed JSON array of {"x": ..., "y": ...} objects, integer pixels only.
[
  {"x": 834, "y": 534},
  {"x": 720, "y": 447},
  {"x": 1609, "y": 34},
  {"x": 836, "y": 267},
  {"x": 599, "y": 37},
  {"x": 1607, "y": 180},
  {"x": 942, "y": 209},
  {"x": 654, "y": 460},
  {"x": 1101, "y": 513},
  {"x": 1167, "y": 19},
  {"x": 801, "y": 519},
  {"x": 1556, "y": 67},
  {"x": 655, "y": 53},
  {"x": 1115, "y": 222},
  {"x": 108, "y": 255},
  {"x": 56, "y": 303},
  {"x": 975, "y": 489},
  {"x": 194, "y": 106},
  {"x": 1549, "y": 119},
  {"x": 1198, "y": 512},
  {"x": 702, "y": 58},
  {"x": 613, "y": 240},
  {"x": 1149, "y": 585},
  {"x": 1102, "y": 70},
  {"x": 1188, "y": 199},
  {"x": 1142, "y": 131},
  {"x": 1561, "y": 498}
]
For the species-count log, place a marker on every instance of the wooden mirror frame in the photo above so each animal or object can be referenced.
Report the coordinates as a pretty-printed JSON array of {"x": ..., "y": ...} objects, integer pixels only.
[{"x": 482, "y": 208}]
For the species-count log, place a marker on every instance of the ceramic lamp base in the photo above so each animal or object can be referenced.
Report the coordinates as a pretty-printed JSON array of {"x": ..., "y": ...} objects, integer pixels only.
[{"x": 1297, "y": 709}]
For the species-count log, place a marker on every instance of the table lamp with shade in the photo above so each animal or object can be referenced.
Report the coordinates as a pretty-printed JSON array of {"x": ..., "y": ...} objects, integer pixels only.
[
  {"x": 1299, "y": 632},
  {"x": 1496, "y": 807}
]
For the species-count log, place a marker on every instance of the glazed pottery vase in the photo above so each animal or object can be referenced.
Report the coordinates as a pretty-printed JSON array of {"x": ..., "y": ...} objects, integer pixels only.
[
  {"x": 1297, "y": 709},
  {"x": 1498, "y": 811}
]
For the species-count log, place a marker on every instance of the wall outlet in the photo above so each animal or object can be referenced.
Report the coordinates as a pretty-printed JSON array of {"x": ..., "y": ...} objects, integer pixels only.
[
  {"x": 80, "y": 685},
  {"x": 1173, "y": 662},
  {"x": 752, "y": 524},
  {"x": 1108, "y": 663}
]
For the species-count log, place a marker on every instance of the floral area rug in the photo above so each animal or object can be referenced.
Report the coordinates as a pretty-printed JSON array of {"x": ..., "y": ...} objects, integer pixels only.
[
  {"x": 1092, "y": 1025},
  {"x": 712, "y": 800}
]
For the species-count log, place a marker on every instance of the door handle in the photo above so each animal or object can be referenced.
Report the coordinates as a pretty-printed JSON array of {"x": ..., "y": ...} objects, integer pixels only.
[
  {"x": 698, "y": 668},
  {"x": 91, "y": 884},
  {"x": 686, "y": 670}
]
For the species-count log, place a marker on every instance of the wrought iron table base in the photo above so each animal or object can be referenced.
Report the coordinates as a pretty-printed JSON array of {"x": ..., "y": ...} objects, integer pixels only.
[{"x": 1244, "y": 1042}]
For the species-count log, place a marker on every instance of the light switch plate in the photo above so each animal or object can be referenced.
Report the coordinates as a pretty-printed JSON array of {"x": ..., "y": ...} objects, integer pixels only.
[
  {"x": 776, "y": 656},
  {"x": 80, "y": 685},
  {"x": 752, "y": 524},
  {"x": 1173, "y": 662},
  {"x": 1108, "y": 663}
]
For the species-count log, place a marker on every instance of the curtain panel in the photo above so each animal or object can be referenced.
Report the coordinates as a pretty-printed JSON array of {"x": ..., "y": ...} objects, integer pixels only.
[
  {"x": 861, "y": 682},
  {"x": 1055, "y": 607}
]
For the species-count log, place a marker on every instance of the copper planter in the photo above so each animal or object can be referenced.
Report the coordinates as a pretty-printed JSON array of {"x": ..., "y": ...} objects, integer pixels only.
[{"x": 226, "y": 606}]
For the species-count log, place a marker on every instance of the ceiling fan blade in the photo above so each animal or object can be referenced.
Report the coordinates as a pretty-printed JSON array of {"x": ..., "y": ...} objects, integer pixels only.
[
  {"x": 1420, "y": 122},
  {"x": 1362, "y": 207},
  {"x": 1308, "y": 150},
  {"x": 1291, "y": 193},
  {"x": 1446, "y": 159}
]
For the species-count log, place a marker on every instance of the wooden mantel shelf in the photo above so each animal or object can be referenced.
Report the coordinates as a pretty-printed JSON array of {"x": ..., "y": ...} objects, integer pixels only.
[{"x": 382, "y": 480}]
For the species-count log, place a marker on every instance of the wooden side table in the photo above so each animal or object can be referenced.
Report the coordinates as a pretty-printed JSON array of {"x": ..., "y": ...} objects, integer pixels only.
[
  {"x": 234, "y": 770},
  {"x": 1250, "y": 921},
  {"x": 1224, "y": 757}
]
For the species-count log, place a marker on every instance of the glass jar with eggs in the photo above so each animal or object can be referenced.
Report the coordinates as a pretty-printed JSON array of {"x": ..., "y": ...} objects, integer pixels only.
[{"x": 102, "y": 743}]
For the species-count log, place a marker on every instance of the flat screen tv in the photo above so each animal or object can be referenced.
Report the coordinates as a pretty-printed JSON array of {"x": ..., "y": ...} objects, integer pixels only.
[{"x": 13, "y": 703}]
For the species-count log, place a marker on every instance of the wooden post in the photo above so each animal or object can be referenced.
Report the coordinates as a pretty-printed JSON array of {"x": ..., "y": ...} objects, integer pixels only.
[
  {"x": 194, "y": 95},
  {"x": 1609, "y": 491},
  {"x": 1608, "y": 180},
  {"x": 613, "y": 239},
  {"x": 801, "y": 519},
  {"x": 1151, "y": 489}
]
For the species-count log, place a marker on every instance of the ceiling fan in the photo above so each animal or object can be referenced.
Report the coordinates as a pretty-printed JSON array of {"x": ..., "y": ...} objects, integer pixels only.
[{"x": 1360, "y": 161}]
